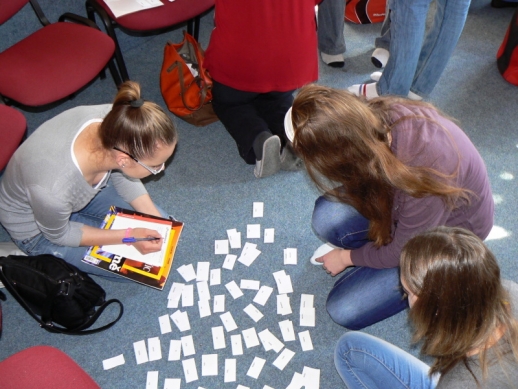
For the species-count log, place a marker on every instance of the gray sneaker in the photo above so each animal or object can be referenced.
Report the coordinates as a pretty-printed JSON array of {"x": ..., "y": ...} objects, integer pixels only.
[
  {"x": 271, "y": 161},
  {"x": 289, "y": 160}
]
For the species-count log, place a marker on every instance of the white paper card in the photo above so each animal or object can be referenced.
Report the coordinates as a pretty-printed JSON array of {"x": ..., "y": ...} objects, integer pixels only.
[
  {"x": 165, "y": 324},
  {"x": 290, "y": 256},
  {"x": 140, "y": 352},
  {"x": 258, "y": 209},
  {"x": 219, "y": 303},
  {"x": 189, "y": 370},
  {"x": 288, "y": 334},
  {"x": 203, "y": 290},
  {"x": 283, "y": 304},
  {"x": 253, "y": 231},
  {"x": 110, "y": 363},
  {"x": 307, "y": 317},
  {"x": 283, "y": 281},
  {"x": 229, "y": 262},
  {"x": 249, "y": 284},
  {"x": 237, "y": 344},
  {"x": 218, "y": 338},
  {"x": 181, "y": 319},
  {"x": 230, "y": 370},
  {"x": 215, "y": 277},
  {"x": 202, "y": 271},
  {"x": 152, "y": 380},
  {"x": 297, "y": 382},
  {"x": 154, "y": 349},
  {"x": 228, "y": 321},
  {"x": 174, "y": 294},
  {"x": 250, "y": 337},
  {"x": 204, "y": 307},
  {"x": 172, "y": 383},
  {"x": 306, "y": 301},
  {"x": 233, "y": 289},
  {"x": 269, "y": 235},
  {"x": 187, "y": 272},
  {"x": 221, "y": 246},
  {"x": 253, "y": 312},
  {"x": 234, "y": 238},
  {"x": 305, "y": 341},
  {"x": 188, "y": 296},
  {"x": 209, "y": 364},
  {"x": 187, "y": 345},
  {"x": 249, "y": 254},
  {"x": 311, "y": 377},
  {"x": 175, "y": 350},
  {"x": 283, "y": 359},
  {"x": 263, "y": 295},
  {"x": 255, "y": 368},
  {"x": 270, "y": 341}
]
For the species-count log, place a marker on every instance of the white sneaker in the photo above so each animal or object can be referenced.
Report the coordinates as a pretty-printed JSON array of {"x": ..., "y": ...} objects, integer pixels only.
[{"x": 322, "y": 250}]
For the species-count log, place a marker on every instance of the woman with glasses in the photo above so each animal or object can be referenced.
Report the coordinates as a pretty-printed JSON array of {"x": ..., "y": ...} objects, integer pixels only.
[
  {"x": 61, "y": 182},
  {"x": 463, "y": 315}
]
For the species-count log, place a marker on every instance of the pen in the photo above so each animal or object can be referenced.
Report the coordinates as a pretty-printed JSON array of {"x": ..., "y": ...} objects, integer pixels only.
[{"x": 133, "y": 240}]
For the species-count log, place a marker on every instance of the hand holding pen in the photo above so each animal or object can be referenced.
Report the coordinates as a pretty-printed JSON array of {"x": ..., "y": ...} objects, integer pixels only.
[{"x": 144, "y": 240}]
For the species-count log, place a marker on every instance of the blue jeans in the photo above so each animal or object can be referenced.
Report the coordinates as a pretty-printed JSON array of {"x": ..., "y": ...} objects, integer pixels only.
[
  {"x": 330, "y": 31},
  {"x": 366, "y": 362},
  {"x": 93, "y": 215},
  {"x": 416, "y": 63},
  {"x": 362, "y": 296},
  {"x": 383, "y": 41}
]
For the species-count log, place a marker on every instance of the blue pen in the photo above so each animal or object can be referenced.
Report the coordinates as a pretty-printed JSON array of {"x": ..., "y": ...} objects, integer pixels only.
[{"x": 133, "y": 240}]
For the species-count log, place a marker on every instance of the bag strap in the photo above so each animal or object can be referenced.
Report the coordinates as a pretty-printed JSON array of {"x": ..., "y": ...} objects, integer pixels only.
[
  {"x": 51, "y": 327},
  {"x": 183, "y": 89}
]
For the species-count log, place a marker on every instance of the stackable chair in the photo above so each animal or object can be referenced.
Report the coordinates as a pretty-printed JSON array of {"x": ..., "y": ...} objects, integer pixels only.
[
  {"x": 13, "y": 128},
  {"x": 149, "y": 21},
  {"x": 55, "y": 61},
  {"x": 43, "y": 367}
]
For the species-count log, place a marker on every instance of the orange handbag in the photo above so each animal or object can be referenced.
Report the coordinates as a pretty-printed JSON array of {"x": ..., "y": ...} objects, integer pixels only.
[
  {"x": 365, "y": 11},
  {"x": 185, "y": 84}
]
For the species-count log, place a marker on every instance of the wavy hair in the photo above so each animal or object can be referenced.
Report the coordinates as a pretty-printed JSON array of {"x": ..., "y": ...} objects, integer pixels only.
[
  {"x": 136, "y": 126},
  {"x": 344, "y": 142},
  {"x": 460, "y": 298}
]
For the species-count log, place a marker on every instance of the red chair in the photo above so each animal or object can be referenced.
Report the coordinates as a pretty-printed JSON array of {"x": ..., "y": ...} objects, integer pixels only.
[
  {"x": 149, "y": 21},
  {"x": 55, "y": 61},
  {"x": 13, "y": 128},
  {"x": 43, "y": 367}
]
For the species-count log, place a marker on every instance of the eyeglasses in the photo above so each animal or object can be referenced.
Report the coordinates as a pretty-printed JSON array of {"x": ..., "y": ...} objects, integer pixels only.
[{"x": 153, "y": 169}]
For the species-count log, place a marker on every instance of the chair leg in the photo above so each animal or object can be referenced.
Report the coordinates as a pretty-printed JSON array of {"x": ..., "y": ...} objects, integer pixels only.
[
  {"x": 190, "y": 27},
  {"x": 197, "y": 21},
  {"x": 115, "y": 73}
]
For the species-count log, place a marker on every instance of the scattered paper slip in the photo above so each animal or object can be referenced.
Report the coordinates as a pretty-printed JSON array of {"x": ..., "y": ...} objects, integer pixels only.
[
  {"x": 189, "y": 370},
  {"x": 257, "y": 209},
  {"x": 154, "y": 349},
  {"x": 256, "y": 367},
  {"x": 110, "y": 363},
  {"x": 152, "y": 380},
  {"x": 230, "y": 370}
]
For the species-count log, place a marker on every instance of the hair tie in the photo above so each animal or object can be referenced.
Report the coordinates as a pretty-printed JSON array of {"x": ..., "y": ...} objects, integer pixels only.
[{"x": 136, "y": 103}]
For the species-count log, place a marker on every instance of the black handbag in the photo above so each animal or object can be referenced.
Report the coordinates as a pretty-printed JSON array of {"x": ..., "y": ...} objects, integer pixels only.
[{"x": 59, "y": 296}]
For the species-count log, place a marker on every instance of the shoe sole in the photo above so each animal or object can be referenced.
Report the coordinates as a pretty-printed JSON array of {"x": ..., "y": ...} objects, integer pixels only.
[{"x": 271, "y": 162}]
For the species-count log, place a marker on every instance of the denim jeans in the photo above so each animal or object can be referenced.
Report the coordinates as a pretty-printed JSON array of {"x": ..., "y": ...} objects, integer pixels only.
[
  {"x": 93, "y": 215},
  {"x": 330, "y": 29},
  {"x": 383, "y": 41},
  {"x": 362, "y": 296},
  {"x": 416, "y": 63},
  {"x": 366, "y": 362}
]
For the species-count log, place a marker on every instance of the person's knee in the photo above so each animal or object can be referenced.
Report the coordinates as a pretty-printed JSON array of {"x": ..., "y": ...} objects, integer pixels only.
[{"x": 345, "y": 314}]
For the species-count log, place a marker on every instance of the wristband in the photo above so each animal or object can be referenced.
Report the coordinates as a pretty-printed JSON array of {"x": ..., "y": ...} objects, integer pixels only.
[{"x": 127, "y": 235}]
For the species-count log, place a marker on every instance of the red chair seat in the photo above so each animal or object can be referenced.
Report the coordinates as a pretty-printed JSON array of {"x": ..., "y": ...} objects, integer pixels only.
[
  {"x": 55, "y": 71},
  {"x": 43, "y": 367},
  {"x": 169, "y": 14},
  {"x": 12, "y": 129}
]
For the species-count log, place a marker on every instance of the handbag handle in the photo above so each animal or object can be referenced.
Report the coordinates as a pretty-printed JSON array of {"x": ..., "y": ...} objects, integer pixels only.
[
  {"x": 51, "y": 327},
  {"x": 183, "y": 89}
]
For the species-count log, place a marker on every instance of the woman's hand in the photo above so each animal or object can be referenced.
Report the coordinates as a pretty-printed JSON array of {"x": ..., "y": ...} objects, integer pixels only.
[
  {"x": 336, "y": 261},
  {"x": 147, "y": 246}
]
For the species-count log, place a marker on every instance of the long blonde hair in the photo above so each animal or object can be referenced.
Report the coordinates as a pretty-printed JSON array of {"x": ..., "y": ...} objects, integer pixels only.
[
  {"x": 460, "y": 298},
  {"x": 344, "y": 142}
]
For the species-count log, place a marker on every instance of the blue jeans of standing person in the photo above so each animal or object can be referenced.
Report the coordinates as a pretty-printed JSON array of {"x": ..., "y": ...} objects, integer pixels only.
[
  {"x": 416, "y": 63},
  {"x": 383, "y": 40},
  {"x": 92, "y": 215},
  {"x": 363, "y": 295},
  {"x": 366, "y": 362},
  {"x": 330, "y": 31}
]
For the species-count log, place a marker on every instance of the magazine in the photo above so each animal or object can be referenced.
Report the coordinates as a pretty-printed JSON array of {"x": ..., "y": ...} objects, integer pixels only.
[{"x": 149, "y": 269}]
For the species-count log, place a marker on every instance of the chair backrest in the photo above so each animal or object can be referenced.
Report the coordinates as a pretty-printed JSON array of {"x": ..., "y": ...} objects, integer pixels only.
[
  {"x": 8, "y": 8},
  {"x": 12, "y": 130}
]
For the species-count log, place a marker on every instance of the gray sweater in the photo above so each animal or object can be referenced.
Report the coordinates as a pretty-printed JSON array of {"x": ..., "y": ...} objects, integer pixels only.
[
  {"x": 502, "y": 375},
  {"x": 42, "y": 186}
]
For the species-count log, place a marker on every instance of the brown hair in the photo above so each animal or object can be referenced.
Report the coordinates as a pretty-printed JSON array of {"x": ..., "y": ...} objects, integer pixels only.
[
  {"x": 344, "y": 143},
  {"x": 460, "y": 298},
  {"x": 135, "y": 125}
]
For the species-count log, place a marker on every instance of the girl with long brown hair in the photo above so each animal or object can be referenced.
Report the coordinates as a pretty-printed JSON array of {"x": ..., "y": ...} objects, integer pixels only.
[
  {"x": 389, "y": 168},
  {"x": 463, "y": 314}
]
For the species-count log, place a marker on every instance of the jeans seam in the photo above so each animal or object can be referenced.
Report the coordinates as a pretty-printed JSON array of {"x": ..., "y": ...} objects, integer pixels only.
[{"x": 349, "y": 234}]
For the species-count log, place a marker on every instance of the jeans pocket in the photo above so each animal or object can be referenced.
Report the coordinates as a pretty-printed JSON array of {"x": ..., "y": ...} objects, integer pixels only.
[{"x": 29, "y": 245}]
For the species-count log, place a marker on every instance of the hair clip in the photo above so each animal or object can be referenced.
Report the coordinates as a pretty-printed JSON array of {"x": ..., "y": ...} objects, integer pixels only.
[{"x": 136, "y": 103}]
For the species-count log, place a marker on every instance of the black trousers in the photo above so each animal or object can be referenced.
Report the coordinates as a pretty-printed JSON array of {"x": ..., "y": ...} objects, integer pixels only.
[{"x": 246, "y": 114}]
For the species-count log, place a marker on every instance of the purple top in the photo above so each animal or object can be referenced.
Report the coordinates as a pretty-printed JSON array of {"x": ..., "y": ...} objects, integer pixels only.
[{"x": 425, "y": 138}]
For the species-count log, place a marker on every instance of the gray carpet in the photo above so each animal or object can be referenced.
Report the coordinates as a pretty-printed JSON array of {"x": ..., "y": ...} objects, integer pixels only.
[{"x": 211, "y": 189}]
